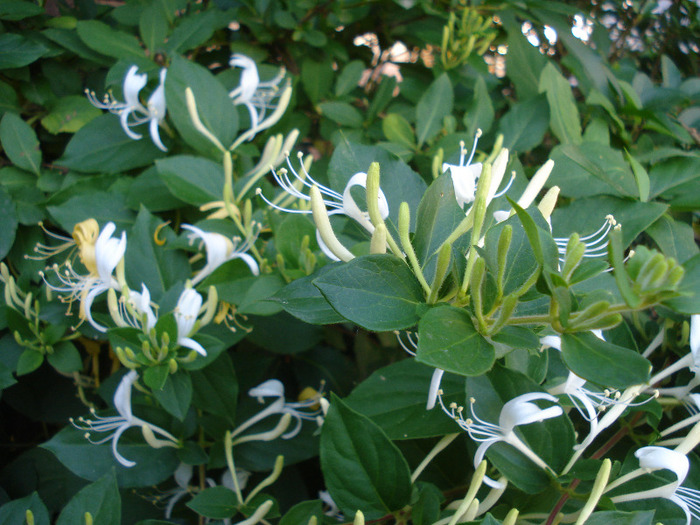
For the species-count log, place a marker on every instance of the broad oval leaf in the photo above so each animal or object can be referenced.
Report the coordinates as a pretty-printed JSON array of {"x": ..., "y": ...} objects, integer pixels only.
[
  {"x": 603, "y": 363},
  {"x": 433, "y": 107},
  {"x": 447, "y": 339},
  {"x": 377, "y": 292},
  {"x": 363, "y": 469},
  {"x": 20, "y": 143}
]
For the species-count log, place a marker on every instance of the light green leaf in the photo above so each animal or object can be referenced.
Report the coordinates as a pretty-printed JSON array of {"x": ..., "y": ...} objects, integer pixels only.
[
  {"x": 316, "y": 78},
  {"x": 349, "y": 77},
  {"x": 563, "y": 113},
  {"x": 362, "y": 468},
  {"x": 194, "y": 180},
  {"x": 524, "y": 125},
  {"x": 481, "y": 113},
  {"x": 341, "y": 113},
  {"x": 448, "y": 340},
  {"x": 434, "y": 105},
  {"x": 69, "y": 114},
  {"x": 377, "y": 292},
  {"x": 304, "y": 300},
  {"x": 674, "y": 238},
  {"x": 20, "y": 143},
  {"x": 397, "y": 129}
]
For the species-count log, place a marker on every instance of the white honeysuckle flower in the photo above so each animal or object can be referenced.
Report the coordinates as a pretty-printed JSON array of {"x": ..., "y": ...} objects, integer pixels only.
[
  {"x": 518, "y": 411},
  {"x": 131, "y": 112},
  {"x": 308, "y": 408},
  {"x": 100, "y": 262},
  {"x": 186, "y": 313},
  {"x": 221, "y": 249},
  {"x": 330, "y": 507},
  {"x": 141, "y": 304},
  {"x": 410, "y": 348},
  {"x": 532, "y": 189},
  {"x": 465, "y": 175},
  {"x": 117, "y": 425},
  {"x": 339, "y": 204},
  {"x": 596, "y": 243},
  {"x": 654, "y": 458},
  {"x": 255, "y": 95}
]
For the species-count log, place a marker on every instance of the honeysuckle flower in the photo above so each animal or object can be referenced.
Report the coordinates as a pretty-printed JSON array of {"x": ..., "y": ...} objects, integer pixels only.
[
  {"x": 518, "y": 411},
  {"x": 338, "y": 204},
  {"x": 307, "y": 408},
  {"x": 465, "y": 175},
  {"x": 131, "y": 112},
  {"x": 186, "y": 313},
  {"x": 100, "y": 259},
  {"x": 126, "y": 419},
  {"x": 221, "y": 249},
  {"x": 330, "y": 507},
  {"x": 532, "y": 189},
  {"x": 257, "y": 96},
  {"x": 596, "y": 243},
  {"x": 141, "y": 304},
  {"x": 654, "y": 458}
]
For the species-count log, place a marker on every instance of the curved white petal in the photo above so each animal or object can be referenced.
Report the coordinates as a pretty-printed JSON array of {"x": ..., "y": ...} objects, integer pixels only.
[
  {"x": 122, "y": 395},
  {"x": 249, "y": 78},
  {"x": 270, "y": 388},
  {"x": 133, "y": 83},
  {"x": 434, "y": 388},
  {"x": 653, "y": 457},
  {"x": 464, "y": 179},
  {"x": 519, "y": 410},
  {"x": 115, "y": 441},
  {"x": 250, "y": 261},
  {"x": 192, "y": 345},
  {"x": 695, "y": 338}
]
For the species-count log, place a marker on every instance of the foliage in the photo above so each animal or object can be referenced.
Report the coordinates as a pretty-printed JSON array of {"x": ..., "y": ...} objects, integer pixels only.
[{"x": 200, "y": 324}]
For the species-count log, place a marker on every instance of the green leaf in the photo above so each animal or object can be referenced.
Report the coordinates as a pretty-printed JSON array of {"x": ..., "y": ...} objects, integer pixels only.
[
  {"x": 481, "y": 113},
  {"x": 563, "y": 113},
  {"x": 552, "y": 439},
  {"x": 91, "y": 461},
  {"x": 674, "y": 238},
  {"x": 15, "y": 512},
  {"x": 688, "y": 304},
  {"x": 395, "y": 397},
  {"x": 101, "y": 499},
  {"x": 316, "y": 78},
  {"x": 349, "y": 77},
  {"x": 397, "y": 129},
  {"x": 69, "y": 114},
  {"x": 20, "y": 143},
  {"x": 101, "y": 146},
  {"x": 29, "y": 361},
  {"x": 18, "y": 10},
  {"x": 641, "y": 176},
  {"x": 193, "y": 30},
  {"x": 176, "y": 394},
  {"x": 304, "y": 300},
  {"x": 156, "y": 376},
  {"x": 214, "y": 106},
  {"x": 641, "y": 517},
  {"x": 591, "y": 168},
  {"x": 433, "y": 107},
  {"x": 303, "y": 512},
  {"x": 65, "y": 358},
  {"x": 524, "y": 62},
  {"x": 99, "y": 37},
  {"x": 341, "y": 113},
  {"x": 153, "y": 26},
  {"x": 667, "y": 175},
  {"x": 362, "y": 468},
  {"x": 448, "y": 340},
  {"x": 8, "y": 223},
  {"x": 215, "y": 503},
  {"x": 603, "y": 363},
  {"x": 17, "y": 50},
  {"x": 101, "y": 205},
  {"x": 524, "y": 125},
  {"x": 377, "y": 292},
  {"x": 215, "y": 389},
  {"x": 194, "y": 180}
]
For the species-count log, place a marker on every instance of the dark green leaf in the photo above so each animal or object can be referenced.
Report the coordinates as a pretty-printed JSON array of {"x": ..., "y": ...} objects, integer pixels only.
[
  {"x": 101, "y": 499},
  {"x": 215, "y": 503},
  {"x": 341, "y": 113},
  {"x": 603, "y": 363},
  {"x": 29, "y": 361},
  {"x": 447, "y": 339},
  {"x": 316, "y": 78},
  {"x": 362, "y": 468},
  {"x": 481, "y": 112},
  {"x": 641, "y": 517},
  {"x": 20, "y": 143},
  {"x": 194, "y": 30},
  {"x": 303, "y": 512},
  {"x": 395, "y": 397},
  {"x": 8, "y": 223},
  {"x": 674, "y": 238},
  {"x": 17, "y": 50},
  {"x": 377, "y": 292},
  {"x": 18, "y": 10},
  {"x": 349, "y": 77},
  {"x": 65, "y": 358},
  {"x": 215, "y": 389},
  {"x": 176, "y": 394},
  {"x": 192, "y": 179},
  {"x": 690, "y": 303},
  {"x": 101, "y": 146},
  {"x": 15, "y": 512},
  {"x": 99, "y": 37},
  {"x": 100, "y": 205},
  {"x": 524, "y": 62},
  {"x": 304, "y": 300}
]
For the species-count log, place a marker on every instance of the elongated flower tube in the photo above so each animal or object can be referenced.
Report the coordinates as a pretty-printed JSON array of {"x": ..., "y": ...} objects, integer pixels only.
[
  {"x": 518, "y": 411},
  {"x": 126, "y": 419},
  {"x": 299, "y": 410},
  {"x": 338, "y": 204},
  {"x": 596, "y": 243},
  {"x": 186, "y": 314},
  {"x": 257, "y": 96},
  {"x": 655, "y": 458},
  {"x": 221, "y": 249},
  {"x": 100, "y": 259},
  {"x": 131, "y": 112}
]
